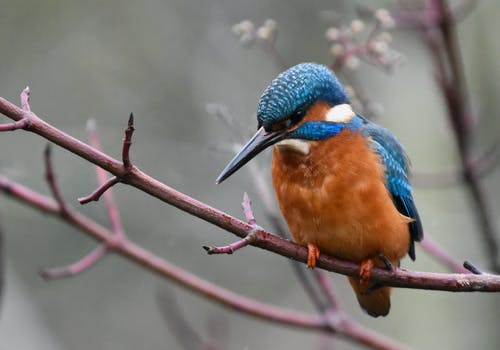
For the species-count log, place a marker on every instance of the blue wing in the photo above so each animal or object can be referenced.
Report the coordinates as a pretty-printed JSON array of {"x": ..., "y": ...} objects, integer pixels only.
[{"x": 396, "y": 162}]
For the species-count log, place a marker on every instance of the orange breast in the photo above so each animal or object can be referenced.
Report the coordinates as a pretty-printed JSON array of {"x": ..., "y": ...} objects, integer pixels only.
[{"x": 336, "y": 198}]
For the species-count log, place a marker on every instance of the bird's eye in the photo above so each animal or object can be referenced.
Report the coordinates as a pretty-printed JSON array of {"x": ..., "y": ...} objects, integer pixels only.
[
  {"x": 285, "y": 124},
  {"x": 297, "y": 116},
  {"x": 294, "y": 119}
]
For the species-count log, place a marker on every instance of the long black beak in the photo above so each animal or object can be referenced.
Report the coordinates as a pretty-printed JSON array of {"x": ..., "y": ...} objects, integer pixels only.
[{"x": 260, "y": 141}]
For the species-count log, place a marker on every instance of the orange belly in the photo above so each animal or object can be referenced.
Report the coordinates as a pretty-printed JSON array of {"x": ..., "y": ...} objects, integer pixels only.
[{"x": 335, "y": 197}]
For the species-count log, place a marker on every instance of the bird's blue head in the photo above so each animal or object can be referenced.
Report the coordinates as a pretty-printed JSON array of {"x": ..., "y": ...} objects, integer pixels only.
[
  {"x": 284, "y": 104},
  {"x": 290, "y": 95}
]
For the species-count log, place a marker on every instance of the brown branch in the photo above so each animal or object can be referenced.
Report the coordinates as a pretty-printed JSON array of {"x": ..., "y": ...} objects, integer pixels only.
[
  {"x": 265, "y": 240},
  {"x": 125, "y": 247}
]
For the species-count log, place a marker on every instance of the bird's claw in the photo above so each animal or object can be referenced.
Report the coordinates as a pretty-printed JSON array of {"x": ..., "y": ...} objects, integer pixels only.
[
  {"x": 387, "y": 263},
  {"x": 365, "y": 271},
  {"x": 312, "y": 255}
]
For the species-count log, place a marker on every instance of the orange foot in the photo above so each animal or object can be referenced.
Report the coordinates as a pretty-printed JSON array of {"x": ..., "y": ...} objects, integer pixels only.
[
  {"x": 312, "y": 255},
  {"x": 365, "y": 271}
]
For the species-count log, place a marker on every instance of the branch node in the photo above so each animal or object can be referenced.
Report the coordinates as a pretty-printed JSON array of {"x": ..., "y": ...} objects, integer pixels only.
[{"x": 20, "y": 124}]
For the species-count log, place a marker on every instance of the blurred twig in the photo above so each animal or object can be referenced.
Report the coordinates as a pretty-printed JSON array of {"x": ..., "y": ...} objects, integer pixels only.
[
  {"x": 438, "y": 253},
  {"x": 441, "y": 40},
  {"x": 185, "y": 333},
  {"x": 263, "y": 37}
]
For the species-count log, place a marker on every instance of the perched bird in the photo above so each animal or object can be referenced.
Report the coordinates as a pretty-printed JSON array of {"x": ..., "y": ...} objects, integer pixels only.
[{"x": 341, "y": 181}]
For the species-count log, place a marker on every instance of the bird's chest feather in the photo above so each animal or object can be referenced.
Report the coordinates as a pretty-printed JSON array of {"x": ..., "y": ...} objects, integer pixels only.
[{"x": 335, "y": 197}]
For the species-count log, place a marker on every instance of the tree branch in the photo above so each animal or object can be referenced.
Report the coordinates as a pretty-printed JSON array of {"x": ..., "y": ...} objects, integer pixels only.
[
  {"x": 122, "y": 245},
  {"x": 399, "y": 278}
]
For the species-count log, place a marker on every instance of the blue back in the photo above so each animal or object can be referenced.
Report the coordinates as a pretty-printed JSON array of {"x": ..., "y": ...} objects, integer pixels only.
[{"x": 396, "y": 163}]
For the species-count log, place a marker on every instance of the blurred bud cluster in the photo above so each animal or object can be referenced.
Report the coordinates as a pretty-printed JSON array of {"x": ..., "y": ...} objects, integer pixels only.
[
  {"x": 350, "y": 43},
  {"x": 248, "y": 33}
]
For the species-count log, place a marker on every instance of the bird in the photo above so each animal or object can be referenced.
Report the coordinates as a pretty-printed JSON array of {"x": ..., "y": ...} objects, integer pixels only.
[{"x": 341, "y": 181}]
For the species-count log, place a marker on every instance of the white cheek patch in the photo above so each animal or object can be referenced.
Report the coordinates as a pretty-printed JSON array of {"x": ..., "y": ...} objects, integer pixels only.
[
  {"x": 298, "y": 146},
  {"x": 340, "y": 114}
]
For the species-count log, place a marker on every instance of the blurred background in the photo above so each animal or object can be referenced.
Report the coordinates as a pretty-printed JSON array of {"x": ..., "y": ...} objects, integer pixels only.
[{"x": 165, "y": 61}]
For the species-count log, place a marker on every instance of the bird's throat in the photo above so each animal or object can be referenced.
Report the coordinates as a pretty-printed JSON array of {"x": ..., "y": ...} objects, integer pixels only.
[{"x": 297, "y": 146}]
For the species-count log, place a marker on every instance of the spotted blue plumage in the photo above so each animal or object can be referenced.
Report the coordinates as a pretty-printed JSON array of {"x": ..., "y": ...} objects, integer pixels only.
[
  {"x": 295, "y": 90},
  {"x": 396, "y": 164}
]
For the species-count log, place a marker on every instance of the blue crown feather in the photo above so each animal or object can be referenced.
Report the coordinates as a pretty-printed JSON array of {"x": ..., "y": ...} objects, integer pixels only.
[{"x": 297, "y": 89}]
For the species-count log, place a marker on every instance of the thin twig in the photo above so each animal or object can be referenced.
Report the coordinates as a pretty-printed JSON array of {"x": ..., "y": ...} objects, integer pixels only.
[
  {"x": 437, "y": 252},
  {"x": 96, "y": 195},
  {"x": 51, "y": 179},
  {"x": 231, "y": 248},
  {"x": 25, "y": 99},
  {"x": 127, "y": 142},
  {"x": 326, "y": 287},
  {"x": 184, "y": 331},
  {"x": 247, "y": 210},
  {"x": 80, "y": 266}
]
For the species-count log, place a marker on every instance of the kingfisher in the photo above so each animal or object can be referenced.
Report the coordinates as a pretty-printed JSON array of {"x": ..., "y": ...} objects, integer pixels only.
[{"x": 341, "y": 181}]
